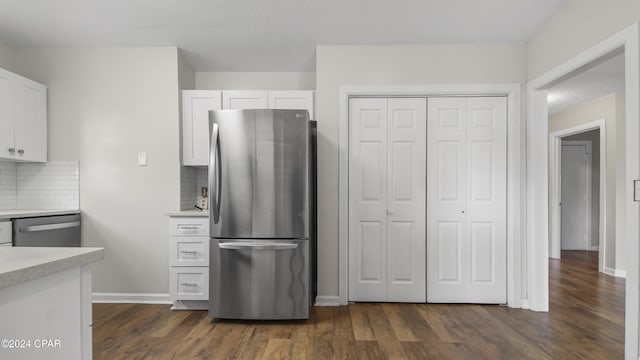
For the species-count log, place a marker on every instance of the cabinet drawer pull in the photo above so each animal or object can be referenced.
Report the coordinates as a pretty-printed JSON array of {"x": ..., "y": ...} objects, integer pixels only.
[
  {"x": 189, "y": 284},
  {"x": 189, "y": 252}
]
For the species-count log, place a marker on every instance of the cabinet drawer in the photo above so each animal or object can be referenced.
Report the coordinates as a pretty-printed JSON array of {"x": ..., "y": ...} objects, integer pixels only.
[
  {"x": 189, "y": 251},
  {"x": 183, "y": 226},
  {"x": 189, "y": 283},
  {"x": 5, "y": 232}
]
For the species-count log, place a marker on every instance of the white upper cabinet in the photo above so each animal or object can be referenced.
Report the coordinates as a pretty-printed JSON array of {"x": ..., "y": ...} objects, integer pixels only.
[
  {"x": 302, "y": 100},
  {"x": 195, "y": 124},
  {"x": 23, "y": 118},
  {"x": 197, "y": 103},
  {"x": 240, "y": 100}
]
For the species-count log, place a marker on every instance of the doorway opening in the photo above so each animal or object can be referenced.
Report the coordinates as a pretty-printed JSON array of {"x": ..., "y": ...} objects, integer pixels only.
[{"x": 625, "y": 42}]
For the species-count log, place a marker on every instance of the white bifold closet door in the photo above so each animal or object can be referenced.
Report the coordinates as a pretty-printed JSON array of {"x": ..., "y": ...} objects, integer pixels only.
[
  {"x": 387, "y": 159},
  {"x": 466, "y": 192}
]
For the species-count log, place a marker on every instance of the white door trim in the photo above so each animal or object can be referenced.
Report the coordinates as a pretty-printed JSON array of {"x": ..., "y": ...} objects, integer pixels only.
[
  {"x": 554, "y": 180},
  {"x": 537, "y": 174},
  {"x": 514, "y": 151}
]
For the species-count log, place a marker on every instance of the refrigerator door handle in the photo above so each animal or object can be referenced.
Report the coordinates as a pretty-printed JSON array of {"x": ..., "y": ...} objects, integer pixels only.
[
  {"x": 215, "y": 176},
  {"x": 256, "y": 246}
]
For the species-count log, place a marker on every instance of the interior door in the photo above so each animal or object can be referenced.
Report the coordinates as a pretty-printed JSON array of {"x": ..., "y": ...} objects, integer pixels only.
[
  {"x": 387, "y": 199},
  {"x": 466, "y": 192},
  {"x": 406, "y": 193},
  {"x": 367, "y": 199},
  {"x": 576, "y": 195}
]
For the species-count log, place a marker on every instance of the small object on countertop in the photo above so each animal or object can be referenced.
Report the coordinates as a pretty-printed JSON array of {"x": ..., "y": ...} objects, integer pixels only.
[
  {"x": 198, "y": 207},
  {"x": 204, "y": 192}
]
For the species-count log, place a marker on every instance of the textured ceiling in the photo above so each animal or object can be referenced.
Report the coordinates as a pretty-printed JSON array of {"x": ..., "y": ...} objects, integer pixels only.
[
  {"x": 266, "y": 35},
  {"x": 599, "y": 80}
]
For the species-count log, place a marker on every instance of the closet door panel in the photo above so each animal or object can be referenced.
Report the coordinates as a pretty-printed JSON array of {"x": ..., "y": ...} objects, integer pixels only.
[
  {"x": 406, "y": 176},
  {"x": 486, "y": 200},
  {"x": 447, "y": 265},
  {"x": 367, "y": 199}
]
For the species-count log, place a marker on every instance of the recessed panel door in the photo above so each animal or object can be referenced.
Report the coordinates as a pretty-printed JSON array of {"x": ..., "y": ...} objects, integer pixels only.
[
  {"x": 447, "y": 265},
  {"x": 367, "y": 199},
  {"x": 576, "y": 195},
  {"x": 406, "y": 186},
  {"x": 486, "y": 211},
  {"x": 466, "y": 192}
]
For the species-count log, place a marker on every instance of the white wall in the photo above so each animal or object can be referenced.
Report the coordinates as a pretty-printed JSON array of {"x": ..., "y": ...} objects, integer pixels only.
[
  {"x": 106, "y": 105},
  {"x": 576, "y": 27},
  {"x": 388, "y": 65},
  {"x": 255, "y": 81},
  {"x": 621, "y": 217},
  {"x": 7, "y": 57},
  {"x": 602, "y": 108}
]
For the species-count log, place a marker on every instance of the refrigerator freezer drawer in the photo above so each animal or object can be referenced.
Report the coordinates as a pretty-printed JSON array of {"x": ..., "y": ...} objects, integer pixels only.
[{"x": 260, "y": 279}]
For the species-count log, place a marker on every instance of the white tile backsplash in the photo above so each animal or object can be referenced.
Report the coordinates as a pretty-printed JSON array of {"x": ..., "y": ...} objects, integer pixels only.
[
  {"x": 188, "y": 183},
  {"x": 192, "y": 179},
  {"x": 8, "y": 185},
  {"x": 54, "y": 185}
]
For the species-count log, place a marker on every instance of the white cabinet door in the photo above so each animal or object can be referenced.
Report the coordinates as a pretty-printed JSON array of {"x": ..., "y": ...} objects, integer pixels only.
[
  {"x": 6, "y": 115},
  {"x": 466, "y": 188},
  {"x": 387, "y": 200},
  {"x": 195, "y": 124},
  {"x": 30, "y": 120},
  {"x": 244, "y": 100},
  {"x": 302, "y": 100}
]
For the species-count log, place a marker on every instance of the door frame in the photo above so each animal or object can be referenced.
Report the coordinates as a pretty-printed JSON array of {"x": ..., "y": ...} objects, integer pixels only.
[
  {"x": 537, "y": 207},
  {"x": 555, "y": 149},
  {"x": 515, "y": 147}
]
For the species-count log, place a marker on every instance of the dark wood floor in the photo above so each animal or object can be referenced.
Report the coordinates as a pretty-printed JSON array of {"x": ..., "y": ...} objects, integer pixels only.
[{"x": 586, "y": 320}]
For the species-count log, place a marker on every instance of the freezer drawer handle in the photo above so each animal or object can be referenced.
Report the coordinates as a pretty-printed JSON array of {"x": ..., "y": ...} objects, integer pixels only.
[
  {"x": 253, "y": 246},
  {"x": 47, "y": 227}
]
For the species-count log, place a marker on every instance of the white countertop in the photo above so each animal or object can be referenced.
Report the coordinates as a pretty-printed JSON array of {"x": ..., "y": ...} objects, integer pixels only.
[
  {"x": 189, "y": 213},
  {"x": 11, "y": 214},
  {"x": 22, "y": 264}
]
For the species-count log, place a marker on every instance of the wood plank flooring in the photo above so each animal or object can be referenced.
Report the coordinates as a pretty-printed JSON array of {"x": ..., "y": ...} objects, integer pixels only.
[{"x": 586, "y": 320}]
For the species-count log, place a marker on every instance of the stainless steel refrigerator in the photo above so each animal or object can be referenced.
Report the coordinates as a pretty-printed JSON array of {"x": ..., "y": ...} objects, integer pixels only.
[{"x": 262, "y": 214}]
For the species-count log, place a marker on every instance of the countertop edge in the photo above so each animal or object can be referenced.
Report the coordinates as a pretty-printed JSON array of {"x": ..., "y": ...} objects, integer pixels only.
[
  {"x": 37, "y": 271},
  {"x": 188, "y": 213},
  {"x": 15, "y": 214}
]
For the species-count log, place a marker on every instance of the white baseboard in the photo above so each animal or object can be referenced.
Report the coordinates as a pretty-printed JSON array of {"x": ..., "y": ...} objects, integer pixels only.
[
  {"x": 190, "y": 305},
  {"x": 126, "y": 298},
  {"x": 594, "y": 248},
  {"x": 524, "y": 304},
  {"x": 615, "y": 272},
  {"x": 327, "y": 300},
  {"x": 620, "y": 273}
]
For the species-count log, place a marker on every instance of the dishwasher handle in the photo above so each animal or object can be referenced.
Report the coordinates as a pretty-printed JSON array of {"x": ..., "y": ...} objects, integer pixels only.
[{"x": 47, "y": 227}]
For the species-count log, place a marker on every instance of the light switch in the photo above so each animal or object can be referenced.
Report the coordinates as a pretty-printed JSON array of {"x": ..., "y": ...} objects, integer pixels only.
[
  {"x": 636, "y": 190},
  {"x": 142, "y": 158}
]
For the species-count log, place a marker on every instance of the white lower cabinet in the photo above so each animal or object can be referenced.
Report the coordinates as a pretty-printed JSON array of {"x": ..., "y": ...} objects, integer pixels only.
[{"x": 189, "y": 262}]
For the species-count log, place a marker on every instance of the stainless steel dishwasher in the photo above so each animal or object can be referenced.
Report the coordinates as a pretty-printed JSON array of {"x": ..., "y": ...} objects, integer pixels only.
[{"x": 54, "y": 231}]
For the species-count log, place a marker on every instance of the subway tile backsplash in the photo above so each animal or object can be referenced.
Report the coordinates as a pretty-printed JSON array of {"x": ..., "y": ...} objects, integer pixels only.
[
  {"x": 54, "y": 185},
  {"x": 192, "y": 179}
]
